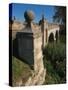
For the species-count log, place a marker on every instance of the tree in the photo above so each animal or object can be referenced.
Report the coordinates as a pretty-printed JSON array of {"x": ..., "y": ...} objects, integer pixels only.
[{"x": 60, "y": 15}]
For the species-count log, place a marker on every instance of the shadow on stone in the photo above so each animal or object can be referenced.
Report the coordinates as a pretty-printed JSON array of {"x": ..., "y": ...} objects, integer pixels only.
[{"x": 15, "y": 53}]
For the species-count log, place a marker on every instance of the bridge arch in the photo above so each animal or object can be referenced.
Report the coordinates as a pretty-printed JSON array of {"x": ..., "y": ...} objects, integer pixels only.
[{"x": 51, "y": 37}]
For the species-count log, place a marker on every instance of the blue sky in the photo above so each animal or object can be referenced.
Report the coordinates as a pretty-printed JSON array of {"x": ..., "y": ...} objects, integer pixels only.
[{"x": 19, "y": 9}]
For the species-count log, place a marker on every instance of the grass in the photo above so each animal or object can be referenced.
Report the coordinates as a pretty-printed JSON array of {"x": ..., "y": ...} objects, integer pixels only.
[
  {"x": 51, "y": 76},
  {"x": 55, "y": 63},
  {"x": 20, "y": 71}
]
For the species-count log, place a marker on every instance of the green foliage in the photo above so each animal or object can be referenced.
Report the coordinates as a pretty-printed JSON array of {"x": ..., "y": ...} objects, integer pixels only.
[
  {"x": 63, "y": 38},
  {"x": 55, "y": 63},
  {"x": 51, "y": 76},
  {"x": 60, "y": 14}
]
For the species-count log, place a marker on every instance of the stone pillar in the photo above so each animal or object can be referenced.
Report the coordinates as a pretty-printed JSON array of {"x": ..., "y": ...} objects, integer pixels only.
[
  {"x": 30, "y": 49},
  {"x": 38, "y": 57},
  {"x": 30, "y": 43},
  {"x": 46, "y": 35},
  {"x": 57, "y": 35}
]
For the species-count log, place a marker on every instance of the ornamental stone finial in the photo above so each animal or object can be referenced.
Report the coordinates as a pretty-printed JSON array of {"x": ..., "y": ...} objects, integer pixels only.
[{"x": 29, "y": 17}]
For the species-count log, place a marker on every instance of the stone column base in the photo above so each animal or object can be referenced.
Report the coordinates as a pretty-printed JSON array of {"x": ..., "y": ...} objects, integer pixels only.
[{"x": 37, "y": 78}]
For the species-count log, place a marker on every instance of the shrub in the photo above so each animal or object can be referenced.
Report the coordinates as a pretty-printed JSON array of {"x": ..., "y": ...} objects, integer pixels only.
[{"x": 55, "y": 53}]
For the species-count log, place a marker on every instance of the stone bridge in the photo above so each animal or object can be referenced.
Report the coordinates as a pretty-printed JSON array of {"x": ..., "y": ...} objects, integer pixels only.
[
  {"x": 50, "y": 31},
  {"x": 52, "y": 34}
]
